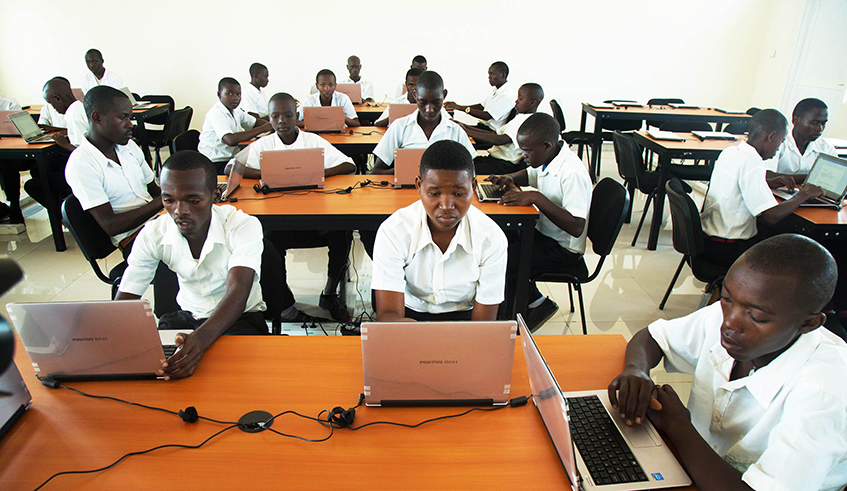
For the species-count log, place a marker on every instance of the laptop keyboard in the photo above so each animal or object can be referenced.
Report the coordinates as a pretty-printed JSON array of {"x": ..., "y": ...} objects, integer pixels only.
[
  {"x": 490, "y": 191},
  {"x": 600, "y": 443},
  {"x": 169, "y": 350}
]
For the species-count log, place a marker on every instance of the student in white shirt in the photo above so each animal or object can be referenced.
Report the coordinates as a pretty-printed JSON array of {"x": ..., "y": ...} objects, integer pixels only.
[
  {"x": 421, "y": 128},
  {"x": 327, "y": 96},
  {"x": 98, "y": 74},
  {"x": 354, "y": 67},
  {"x": 226, "y": 125},
  {"x": 563, "y": 199},
  {"x": 440, "y": 258},
  {"x": 252, "y": 98},
  {"x": 419, "y": 62},
  {"x": 739, "y": 191},
  {"x": 492, "y": 111},
  {"x": 804, "y": 143},
  {"x": 8, "y": 104},
  {"x": 216, "y": 251},
  {"x": 768, "y": 405},
  {"x": 283, "y": 117},
  {"x": 408, "y": 98},
  {"x": 505, "y": 156}
]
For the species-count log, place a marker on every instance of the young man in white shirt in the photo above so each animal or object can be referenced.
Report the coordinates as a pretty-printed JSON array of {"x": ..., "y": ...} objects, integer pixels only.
[
  {"x": 216, "y": 251},
  {"x": 492, "y": 111},
  {"x": 226, "y": 125},
  {"x": 739, "y": 191},
  {"x": 563, "y": 199},
  {"x": 98, "y": 75},
  {"x": 419, "y": 62},
  {"x": 252, "y": 98},
  {"x": 354, "y": 67},
  {"x": 804, "y": 143},
  {"x": 283, "y": 117},
  {"x": 327, "y": 96},
  {"x": 768, "y": 405},
  {"x": 440, "y": 258},
  {"x": 505, "y": 156},
  {"x": 409, "y": 97}
]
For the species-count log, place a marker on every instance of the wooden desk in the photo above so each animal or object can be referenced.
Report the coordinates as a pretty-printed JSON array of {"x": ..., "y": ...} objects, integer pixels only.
[
  {"x": 368, "y": 112},
  {"x": 820, "y": 224},
  {"x": 483, "y": 450},
  {"x": 16, "y": 148},
  {"x": 690, "y": 149},
  {"x": 664, "y": 113},
  {"x": 34, "y": 110},
  {"x": 366, "y": 209},
  {"x": 362, "y": 141}
]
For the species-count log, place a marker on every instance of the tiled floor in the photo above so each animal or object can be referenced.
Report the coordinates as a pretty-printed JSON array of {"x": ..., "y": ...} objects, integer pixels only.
[{"x": 622, "y": 300}]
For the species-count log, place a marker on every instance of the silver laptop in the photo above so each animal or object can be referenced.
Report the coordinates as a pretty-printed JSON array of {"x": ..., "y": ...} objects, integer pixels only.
[
  {"x": 828, "y": 172},
  {"x": 397, "y": 111},
  {"x": 353, "y": 91},
  {"x": 137, "y": 104},
  {"x": 438, "y": 363},
  {"x": 14, "y": 398},
  {"x": 569, "y": 420},
  {"x": 488, "y": 192},
  {"x": 324, "y": 119},
  {"x": 6, "y": 126},
  {"x": 407, "y": 166},
  {"x": 300, "y": 168},
  {"x": 27, "y": 128},
  {"x": 109, "y": 340}
]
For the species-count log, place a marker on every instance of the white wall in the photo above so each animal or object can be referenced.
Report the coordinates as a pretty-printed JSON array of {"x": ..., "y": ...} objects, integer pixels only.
[{"x": 711, "y": 53}]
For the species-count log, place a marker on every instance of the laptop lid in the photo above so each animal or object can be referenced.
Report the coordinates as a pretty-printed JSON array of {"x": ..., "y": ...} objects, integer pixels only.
[
  {"x": 437, "y": 363},
  {"x": 300, "y": 168},
  {"x": 324, "y": 118},
  {"x": 25, "y": 125},
  {"x": 830, "y": 173},
  {"x": 353, "y": 91},
  {"x": 407, "y": 166},
  {"x": 14, "y": 398},
  {"x": 7, "y": 128},
  {"x": 89, "y": 340},
  {"x": 132, "y": 100},
  {"x": 397, "y": 111}
]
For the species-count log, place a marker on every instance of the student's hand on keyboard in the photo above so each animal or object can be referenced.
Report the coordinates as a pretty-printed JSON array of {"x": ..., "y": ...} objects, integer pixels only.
[
  {"x": 62, "y": 140},
  {"x": 631, "y": 393},
  {"x": 502, "y": 182},
  {"x": 809, "y": 191},
  {"x": 782, "y": 182},
  {"x": 673, "y": 413},
  {"x": 514, "y": 197},
  {"x": 189, "y": 352}
]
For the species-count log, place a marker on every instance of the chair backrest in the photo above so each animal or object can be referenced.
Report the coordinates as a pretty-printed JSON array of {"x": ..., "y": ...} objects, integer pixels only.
[
  {"x": 159, "y": 99},
  {"x": 558, "y": 114},
  {"x": 737, "y": 128},
  {"x": 271, "y": 279},
  {"x": 92, "y": 240},
  {"x": 753, "y": 110},
  {"x": 628, "y": 155},
  {"x": 185, "y": 141},
  {"x": 687, "y": 230},
  {"x": 618, "y": 124},
  {"x": 178, "y": 122},
  {"x": 609, "y": 203},
  {"x": 685, "y": 126}
]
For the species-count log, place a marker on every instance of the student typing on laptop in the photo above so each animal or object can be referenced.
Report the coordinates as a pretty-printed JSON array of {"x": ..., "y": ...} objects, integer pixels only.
[
  {"x": 440, "y": 258},
  {"x": 768, "y": 405},
  {"x": 494, "y": 109},
  {"x": 216, "y": 251},
  {"x": 328, "y": 96},
  {"x": 804, "y": 143}
]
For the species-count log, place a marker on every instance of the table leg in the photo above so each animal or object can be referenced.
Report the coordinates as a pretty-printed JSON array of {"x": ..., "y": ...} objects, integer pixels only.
[
  {"x": 595, "y": 150},
  {"x": 582, "y": 121},
  {"x": 142, "y": 138},
  {"x": 659, "y": 202},
  {"x": 54, "y": 212},
  {"x": 522, "y": 289}
]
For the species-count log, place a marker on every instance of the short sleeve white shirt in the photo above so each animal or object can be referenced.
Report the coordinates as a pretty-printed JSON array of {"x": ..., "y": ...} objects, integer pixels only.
[
  {"x": 253, "y": 100},
  {"x": 738, "y": 192},
  {"x": 784, "y": 427},
  {"x": 473, "y": 268},
  {"x": 234, "y": 239},
  {"x": 498, "y": 104},
  {"x": 790, "y": 161},
  {"x": 400, "y": 90},
  {"x": 109, "y": 78},
  {"x": 77, "y": 123},
  {"x": 407, "y": 133},
  {"x": 51, "y": 117},
  {"x": 219, "y": 122},
  {"x": 96, "y": 180},
  {"x": 332, "y": 156},
  {"x": 338, "y": 99},
  {"x": 567, "y": 184},
  {"x": 510, "y": 151},
  {"x": 8, "y": 104},
  {"x": 367, "y": 87}
]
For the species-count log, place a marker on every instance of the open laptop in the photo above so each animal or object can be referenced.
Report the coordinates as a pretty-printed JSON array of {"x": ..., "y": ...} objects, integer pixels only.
[
  {"x": 27, "y": 128},
  {"x": 107, "y": 340},
  {"x": 569, "y": 417},
  {"x": 14, "y": 398},
  {"x": 828, "y": 172},
  {"x": 300, "y": 168},
  {"x": 323, "y": 119},
  {"x": 714, "y": 135},
  {"x": 137, "y": 104},
  {"x": 488, "y": 192},
  {"x": 407, "y": 166},
  {"x": 353, "y": 91},
  {"x": 397, "y": 111},
  {"x": 438, "y": 363},
  {"x": 7, "y": 128}
]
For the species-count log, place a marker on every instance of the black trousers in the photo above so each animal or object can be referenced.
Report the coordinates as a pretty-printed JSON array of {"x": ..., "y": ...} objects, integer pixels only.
[
  {"x": 461, "y": 315},
  {"x": 491, "y": 165},
  {"x": 56, "y": 176},
  {"x": 249, "y": 324},
  {"x": 10, "y": 179},
  {"x": 725, "y": 253}
]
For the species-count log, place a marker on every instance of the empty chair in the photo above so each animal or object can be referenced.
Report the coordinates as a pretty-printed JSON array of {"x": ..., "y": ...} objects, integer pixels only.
[
  {"x": 737, "y": 128},
  {"x": 161, "y": 118},
  {"x": 185, "y": 141},
  {"x": 579, "y": 138},
  {"x": 661, "y": 102},
  {"x": 688, "y": 240},
  {"x": 176, "y": 124}
]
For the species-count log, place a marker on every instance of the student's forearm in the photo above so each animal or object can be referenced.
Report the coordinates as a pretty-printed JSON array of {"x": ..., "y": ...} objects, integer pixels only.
[
  {"x": 643, "y": 352},
  {"x": 520, "y": 178},
  {"x": 342, "y": 168},
  {"x": 117, "y": 223},
  {"x": 381, "y": 167},
  {"x": 127, "y": 296},
  {"x": 787, "y": 207},
  {"x": 382, "y": 123},
  {"x": 231, "y": 307},
  {"x": 233, "y": 139},
  {"x": 390, "y": 306},
  {"x": 351, "y": 122},
  {"x": 705, "y": 467},
  {"x": 560, "y": 216},
  {"x": 483, "y": 312},
  {"x": 251, "y": 173},
  {"x": 798, "y": 178},
  {"x": 482, "y": 136}
]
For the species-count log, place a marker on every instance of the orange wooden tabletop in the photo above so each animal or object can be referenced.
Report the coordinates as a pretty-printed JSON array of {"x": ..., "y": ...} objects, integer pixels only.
[
  {"x": 34, "y": 109},
  {"x": 691, "y": 142},
  {"x": 18, "y": 143},
  {"x": 371, "y": 107},
  {"x": 701, "y": 113},
  {"x": 824, "y": 216}
]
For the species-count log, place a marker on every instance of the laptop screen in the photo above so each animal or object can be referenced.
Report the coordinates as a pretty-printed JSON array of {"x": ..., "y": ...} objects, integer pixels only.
[
  {"x": 830, "y": 173},
  {"x": 25, "y": 124}
]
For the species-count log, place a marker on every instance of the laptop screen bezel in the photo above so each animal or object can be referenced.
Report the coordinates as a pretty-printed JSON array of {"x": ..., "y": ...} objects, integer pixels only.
[
  {"x": 18, "y": 120},
  {"x": 829, "y": 160}
]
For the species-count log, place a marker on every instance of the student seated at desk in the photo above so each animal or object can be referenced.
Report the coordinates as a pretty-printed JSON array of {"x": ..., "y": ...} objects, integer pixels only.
[
  {"x": 354, "y": 67},
  {"x": 494, "y": 109},
  {"x": 768, "y": 405},
  {"x": 505, "y": 156},
  {"x": 418, "y": 62},
  {"x": 408, "y": 98},
  {"x": 51, "y": 120},
  {"x": 563, "y": 200},
  {"x": 252, "y": 99},
  {"x": 440, "y": 258},
  {"x": 422, "y": 128},
  {"x": 226, "y": 125},
  {"x": 283, "y": 116},
  {"x": 98, "y": 74},
  {"x": 803, "y": 144},
  {"x": 327, "y": 96},
  {"x": 216, "y": 251},
  {"x": 739, "y": 191}
]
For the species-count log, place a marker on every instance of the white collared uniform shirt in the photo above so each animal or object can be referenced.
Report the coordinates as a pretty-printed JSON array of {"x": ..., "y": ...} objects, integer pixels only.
[
  {"x": 407, "y": 133},
  {"x": 332, "y": 156},
  {"x": 789, "y": 160},
  {"x": 367, "y": 87},
  {"x": 8, "y": 104},
  {"x": 253, "y": 100},
  {"x": 219, "y": 122},
  {"x": 498, "y": 104},
  {"x": 510, "y": 151},
  {"x": 52, "y": 117},
  {"x": 785, "y": 426},
  {"x": 338, "y": 99},
  {"x": 234, "y": 240},
  {"x": 77, "y": 123},
  {"x": 473, "y": 268},
  {"x": 738, "y": 192},
  {"x": 96, "y": 180},
  {"x": 109, "y": 78}
]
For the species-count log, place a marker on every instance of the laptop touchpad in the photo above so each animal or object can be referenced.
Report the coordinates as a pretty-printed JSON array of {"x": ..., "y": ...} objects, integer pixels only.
[{"x": 641, "y": 436}]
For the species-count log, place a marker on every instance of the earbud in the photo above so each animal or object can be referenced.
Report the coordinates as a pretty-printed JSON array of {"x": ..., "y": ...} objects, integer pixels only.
[
  {"x": 189, "y": 415},
  {"x": 342, "y": 417}
]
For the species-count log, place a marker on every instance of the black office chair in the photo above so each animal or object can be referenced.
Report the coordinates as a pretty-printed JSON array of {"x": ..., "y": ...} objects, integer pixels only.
[
  {"x": 609, "y": 202},
  {"x": 160, "y": 99},
  {"x": 753, "y": 110},
  {"x": 694, "y": 172},
  {"x": 185, "y": 141},
  {"x": 272, "y": 285},
  {"x": 737, "y": 128},
  {"x": 661, "y": 102},
  {"x": 136, "y": 96},
  {"x": 579, "y": 138},
  {"x": 176, "y": 124},
  {"x": 688, "y": 240}
]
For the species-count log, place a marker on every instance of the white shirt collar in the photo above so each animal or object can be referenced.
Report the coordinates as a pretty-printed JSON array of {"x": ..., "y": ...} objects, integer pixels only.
[
  {"x": 460, "y": 238},
  {"x": 216, "y": 235}
]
